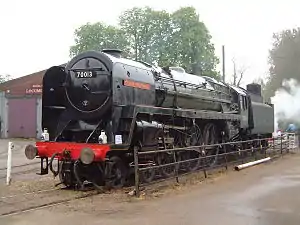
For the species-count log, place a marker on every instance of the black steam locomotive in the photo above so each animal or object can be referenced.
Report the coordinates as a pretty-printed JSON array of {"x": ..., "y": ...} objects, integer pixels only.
[{"x": 100, "y": 106}]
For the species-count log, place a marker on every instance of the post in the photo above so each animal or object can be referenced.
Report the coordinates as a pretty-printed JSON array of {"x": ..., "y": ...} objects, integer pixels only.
[
  {"x": 9, "y": 153},
  {"x": 273, "y": 145},
  {"x": 280, "y": 144},
  {"x": 204, "y": 167},
  {"x": 288, "y": 143},
  {"x": 176, "y": 166},
  {"x": 223, "y": 59},
  {"x": 255, "y": 152},
  {"x": 261, "y": 148},
  {"x": 136, "y": 171},
  {"x": 226, "y": 161},
  {"x": 298, "y": 139}
]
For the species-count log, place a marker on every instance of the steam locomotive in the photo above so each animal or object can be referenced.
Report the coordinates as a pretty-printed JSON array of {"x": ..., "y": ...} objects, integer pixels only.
[{"x": 100, "y": 107}]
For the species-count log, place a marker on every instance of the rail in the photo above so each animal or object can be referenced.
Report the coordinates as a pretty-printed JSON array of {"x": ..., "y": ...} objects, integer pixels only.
[{"x": 228, "y": 154}]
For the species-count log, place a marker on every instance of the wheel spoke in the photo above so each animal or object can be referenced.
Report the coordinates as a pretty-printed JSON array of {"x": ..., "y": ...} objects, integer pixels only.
[
  {"x": 210, "y": 138},
  {"x": 194, "y": 139}
]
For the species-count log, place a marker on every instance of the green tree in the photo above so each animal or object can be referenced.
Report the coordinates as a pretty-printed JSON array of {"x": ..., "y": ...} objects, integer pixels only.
[
  {"x": 98, "y": 36},
  {"x": 4, "y": 78},
  {"x": 162, "y": 38},
  {"x": 284, "y": 58},
  {"x": 191, "y": 43},
  {"x": 179, "y": 39},
  {"x": 149, "y": 33},
  {"x": 156, "y": 37},
  {"x": 133, "y": 22}
]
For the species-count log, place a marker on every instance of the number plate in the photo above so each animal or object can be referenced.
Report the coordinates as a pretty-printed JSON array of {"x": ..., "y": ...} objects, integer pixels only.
[{"x": 85, "y": 74}]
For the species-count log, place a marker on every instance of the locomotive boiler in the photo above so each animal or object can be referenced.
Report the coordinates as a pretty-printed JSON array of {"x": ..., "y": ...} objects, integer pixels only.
[{"x": 100, "y": 107}]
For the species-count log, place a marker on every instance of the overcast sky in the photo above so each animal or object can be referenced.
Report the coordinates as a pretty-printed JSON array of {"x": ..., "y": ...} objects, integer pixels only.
[{"x": 37, "y": 34}]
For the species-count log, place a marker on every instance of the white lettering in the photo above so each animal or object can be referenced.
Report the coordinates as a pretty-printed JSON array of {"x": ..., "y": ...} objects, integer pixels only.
[
  {"x": 81, "y": 74},
  {"x": 33, "y": 91}
]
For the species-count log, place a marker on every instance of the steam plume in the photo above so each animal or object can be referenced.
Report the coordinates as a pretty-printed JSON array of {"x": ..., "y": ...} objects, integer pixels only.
[{"x": 287, "y": 102}]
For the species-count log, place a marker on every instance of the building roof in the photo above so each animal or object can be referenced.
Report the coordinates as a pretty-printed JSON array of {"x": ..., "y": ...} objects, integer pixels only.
[
  {"x": 23, "y": 85},
  {"x": 31, "y": 78}
]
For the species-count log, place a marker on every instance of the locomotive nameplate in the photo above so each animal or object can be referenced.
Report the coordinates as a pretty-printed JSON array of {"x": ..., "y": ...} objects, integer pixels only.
[
  {"x": 135, "y": 84},
  {"x": 85, "y": 74}
]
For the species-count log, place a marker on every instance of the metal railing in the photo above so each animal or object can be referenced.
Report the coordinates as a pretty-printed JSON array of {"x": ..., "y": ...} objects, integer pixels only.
[
  {"x": 292, "y": 139},
  {"x": 245, "y": 151}
]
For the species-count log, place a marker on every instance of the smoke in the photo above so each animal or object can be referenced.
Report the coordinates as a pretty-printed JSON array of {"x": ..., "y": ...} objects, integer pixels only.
[{"x": 287, "y": 102}]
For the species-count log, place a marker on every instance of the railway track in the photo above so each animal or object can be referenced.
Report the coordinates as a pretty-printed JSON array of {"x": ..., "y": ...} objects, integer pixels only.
[
  {"x": 20, "y": 203},
  {"x": 22, "y": 169},
  {"x": 19, "y": 165},
  {"x": 22, "y": 165},
  {"x": 14, "y": 204}
]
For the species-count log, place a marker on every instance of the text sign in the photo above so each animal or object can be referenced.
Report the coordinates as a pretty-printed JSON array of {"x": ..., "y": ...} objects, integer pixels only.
[
  {"x": 35, "y": 89},
  {"x": 135, "y": 84}
]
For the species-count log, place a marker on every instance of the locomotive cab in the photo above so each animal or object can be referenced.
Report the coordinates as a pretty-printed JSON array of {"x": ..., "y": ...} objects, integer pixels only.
[{"x": 242, "y": 99}]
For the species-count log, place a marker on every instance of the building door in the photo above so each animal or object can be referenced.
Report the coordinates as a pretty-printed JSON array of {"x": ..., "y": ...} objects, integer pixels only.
[{"x": 22, "y": 118}]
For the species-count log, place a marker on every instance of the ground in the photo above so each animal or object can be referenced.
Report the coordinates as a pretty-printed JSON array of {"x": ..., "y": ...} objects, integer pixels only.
[
  {"x": 21, "y": 170},
  {"x": 266, "y": 195}
]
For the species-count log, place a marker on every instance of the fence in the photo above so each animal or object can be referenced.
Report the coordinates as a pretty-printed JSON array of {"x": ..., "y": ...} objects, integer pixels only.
[
  {"x": 292, "y": 139},
  {"x": 226, "y": 154}
]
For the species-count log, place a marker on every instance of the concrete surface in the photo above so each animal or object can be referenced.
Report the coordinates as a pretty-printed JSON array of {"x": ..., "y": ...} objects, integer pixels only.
[
  {"x": 266, "y": 195},
  {"x": 18, "y": 153},
  {"x": 18, "y": 159}
]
